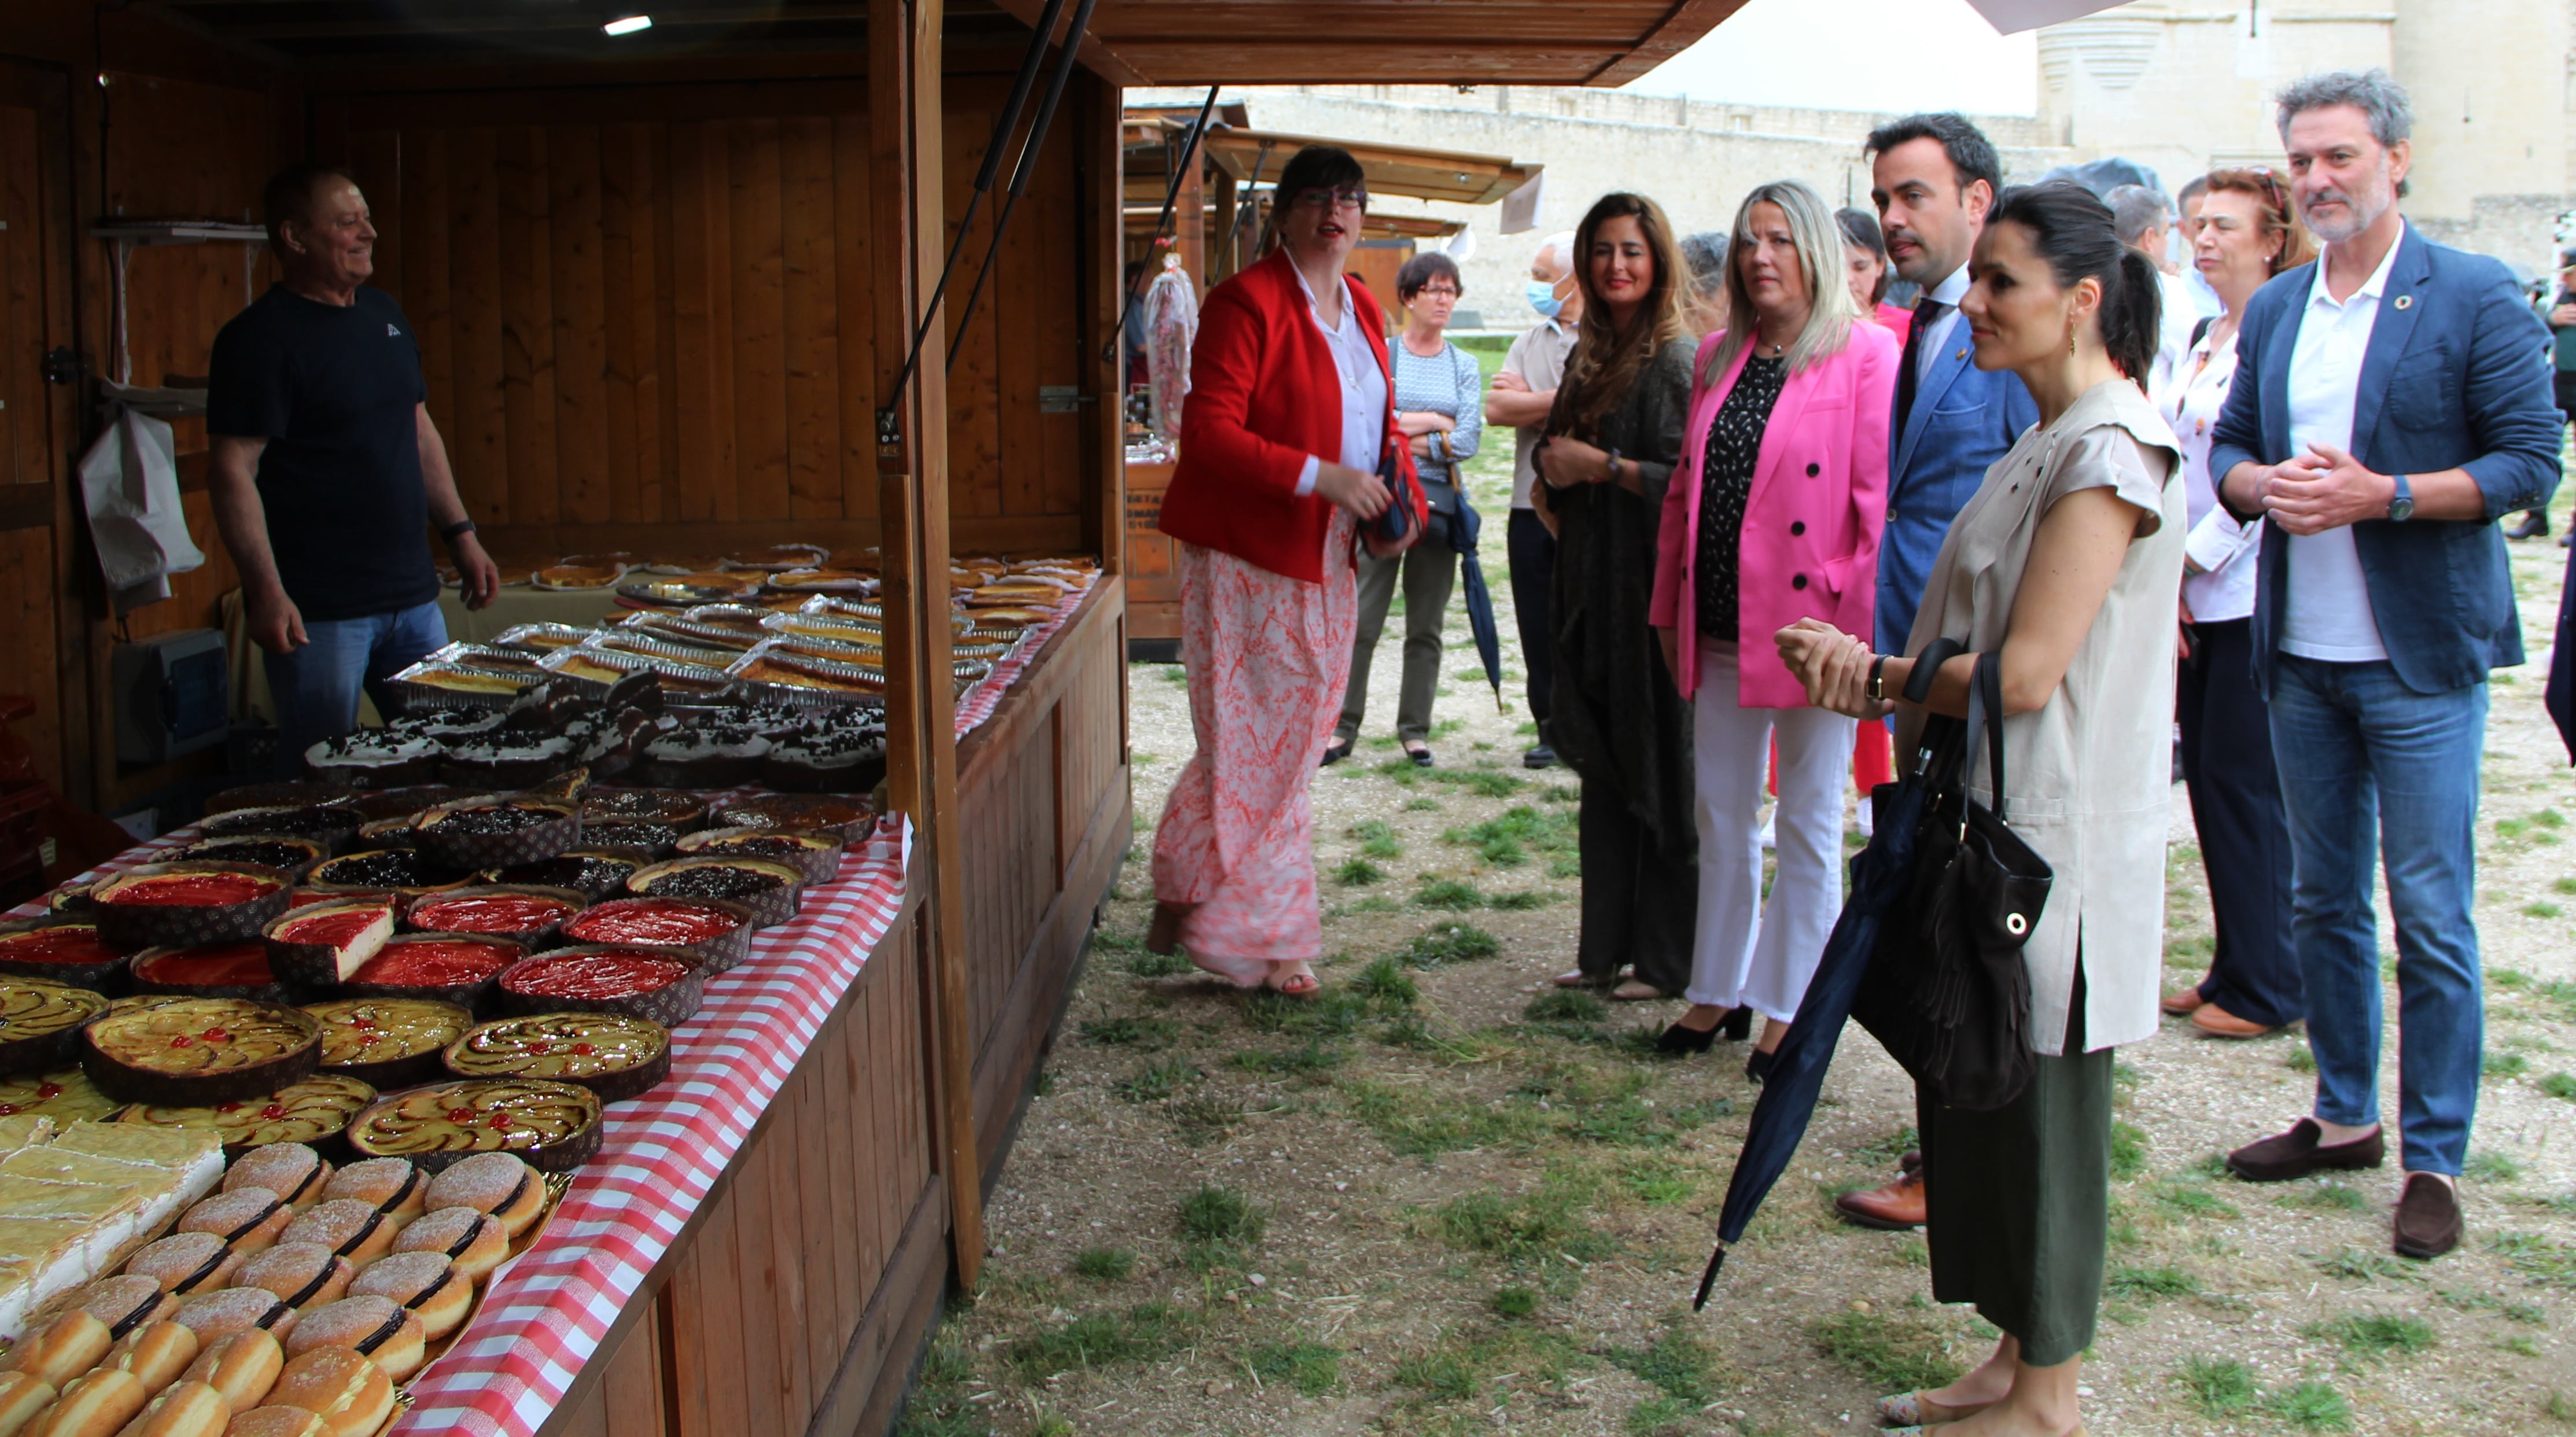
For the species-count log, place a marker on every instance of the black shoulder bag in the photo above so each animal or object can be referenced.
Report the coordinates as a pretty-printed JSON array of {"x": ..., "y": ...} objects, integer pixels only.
[{"x": 1947, "y": 992}]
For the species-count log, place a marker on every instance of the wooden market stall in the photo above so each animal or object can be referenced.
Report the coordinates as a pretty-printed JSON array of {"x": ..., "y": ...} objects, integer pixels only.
[{"x": 663, "y": 284}]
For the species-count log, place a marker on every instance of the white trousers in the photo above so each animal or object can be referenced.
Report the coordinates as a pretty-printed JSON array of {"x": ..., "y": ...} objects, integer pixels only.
[{"x": 1747, "y": 954}]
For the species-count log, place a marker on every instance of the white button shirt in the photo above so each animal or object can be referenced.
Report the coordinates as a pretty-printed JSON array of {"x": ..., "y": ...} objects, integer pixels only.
[
  {"x": 2328, "y": 615},
  {"x": 1363, "y": 389},
  {"x": 2219, "y": 547}
]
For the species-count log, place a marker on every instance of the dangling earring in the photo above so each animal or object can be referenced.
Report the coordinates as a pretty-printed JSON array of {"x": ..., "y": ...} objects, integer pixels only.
[{"x": 2070, "y": 336}]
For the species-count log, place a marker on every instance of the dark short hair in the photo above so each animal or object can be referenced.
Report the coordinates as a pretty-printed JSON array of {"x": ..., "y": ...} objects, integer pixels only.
[
  {"x": 1972, "y": 155},
  {"x": 2072, "y": 231},
  {"x": 1860, "y": 227},
  {"x": 1422, "y": 269},
  {"x": 289, "y": 196},
  {"x": 1317, "y": 167},
  {"x": 2195, "y": 186}
]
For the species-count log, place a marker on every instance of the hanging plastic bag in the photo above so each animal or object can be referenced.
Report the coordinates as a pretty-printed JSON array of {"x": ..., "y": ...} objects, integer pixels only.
[{"x": 130, "y": 485}]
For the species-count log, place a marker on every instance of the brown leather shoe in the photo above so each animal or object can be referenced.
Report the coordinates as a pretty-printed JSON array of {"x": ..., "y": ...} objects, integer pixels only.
[
  {"x": 2184, "y": 1003},
  {"x": 2428, "y": 1217},
  {"x": 2296, "y": 1153},
  {"x": 2217, "y": 1022},
  {"x": 1896, "y": 1207}
]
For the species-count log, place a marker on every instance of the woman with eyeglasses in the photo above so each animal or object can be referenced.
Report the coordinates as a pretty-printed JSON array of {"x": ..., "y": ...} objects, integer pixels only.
[
  {"x": 1439, "y": 406},
  {"x": 2248, "y": 233},
  {"x": 1292, "y": 420}
]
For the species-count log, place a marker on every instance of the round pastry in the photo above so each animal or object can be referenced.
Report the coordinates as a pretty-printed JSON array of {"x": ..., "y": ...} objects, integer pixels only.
[
  {"x": 662, "y": 984},
  {"x": 472, "y": 1240},
  {"x": 391, "y": 1186},
  {"x": 555, "y": 1126},
  {"x": 495, "y": 1183},
  {"x": 680, "y": 809},
  {"x": 294, "y": 793},
  {"x": 302, "y": 1274},
  {"x": 284, "y": 852},
  {"x": 123, "y": 1303},
  {"x": 353, "y": 1229},
  {"x": 236, "y": 969},
  {"x": 496, "y": 835},
  {"x": 312, "y": 1111},
  {"x": 293, "y": 1171},
  {"x": 184, "y": 1409},
  {"x": 93, "y": 1406},
  {"x": 373, "y": 1327},
  {"x": 187, "y": 1262},
  {"x": 22, "y": 1396},
  {"x": 396, "y": 869},
  {"x": 227, "y": 1310},
  {"x": 611, "y": 1054},
  {"x": 62, "y": 952},
  {"x": 435, "y": 967},
  {"x": 247, "y": 1219},
  {"x": 851, "y": 818},
  {"x": 327, "y": 942},
  {"x": 375, "y": 758},
  {"x": 328, "y": 824},
  {"x": 200, "y": 1050},
  {"x": 587, "y": 871},
  {"x": 834, "y": 760},
  {"x": 351, "y": 1394},
  {"x": 424, "y": 1282},
  {"x": 768, "y": 891},
  {"x": 65, "y": 1095},
  {"x": 278, "y": 1422},
  {"x": 717, "y": 931},
  {"x": 156, "y": 1353},
  {"x": 187, "y": 905},
  {"x": 70, "y": 1345},
  {"x": 387, "y": 1042},
  {"x": 533, "y": 916},
  {"x": 242, "y": 1366},
  {"x": 637, "y": 839},
  {"x": 41, "y": 1022},
  {"x": 712, "y": 755}
]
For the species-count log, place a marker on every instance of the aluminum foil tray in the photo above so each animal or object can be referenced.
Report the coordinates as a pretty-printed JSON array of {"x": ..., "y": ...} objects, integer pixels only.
[
  {"x": 540, "y": 638},
  {"x": 656, "y": 646},
  {"x": 691, "y": 680}
]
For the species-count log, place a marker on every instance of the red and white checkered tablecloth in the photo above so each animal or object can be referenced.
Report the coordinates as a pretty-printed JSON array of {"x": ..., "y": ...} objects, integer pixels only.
[{"x": 981, "y": 699}]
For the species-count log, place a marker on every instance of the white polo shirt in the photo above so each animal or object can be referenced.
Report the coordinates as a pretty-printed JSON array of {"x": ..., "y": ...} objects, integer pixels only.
[{"x": 2328, "y": 614}]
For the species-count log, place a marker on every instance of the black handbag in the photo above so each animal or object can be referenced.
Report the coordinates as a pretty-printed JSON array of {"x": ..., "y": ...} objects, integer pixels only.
[{"x": 1947, "y": 992}]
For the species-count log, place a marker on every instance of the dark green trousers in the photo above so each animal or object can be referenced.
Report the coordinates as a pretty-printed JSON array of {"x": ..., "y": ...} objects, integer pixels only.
[{"x": 1429, "y": 571}]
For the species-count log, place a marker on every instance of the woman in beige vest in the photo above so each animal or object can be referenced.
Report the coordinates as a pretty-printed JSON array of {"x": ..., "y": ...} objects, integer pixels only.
[{"x": 2066, "y": 564}]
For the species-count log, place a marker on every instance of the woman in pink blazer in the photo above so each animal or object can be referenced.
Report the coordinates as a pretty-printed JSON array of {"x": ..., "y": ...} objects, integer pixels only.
[{"x": 1773, "y": 516}]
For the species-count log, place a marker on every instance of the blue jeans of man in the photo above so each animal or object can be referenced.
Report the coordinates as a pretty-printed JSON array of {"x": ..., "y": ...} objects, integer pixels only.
[
  {"x": 2362, "y": 756},
  {"x": 316, "y": 687}
]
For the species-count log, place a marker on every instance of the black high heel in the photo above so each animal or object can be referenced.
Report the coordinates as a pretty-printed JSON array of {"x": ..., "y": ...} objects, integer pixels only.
[
  {"x": 1684, "y": 1042},
  {"x": 1757, "y": 1066},
  {"x": 1738, "y": 1025}
]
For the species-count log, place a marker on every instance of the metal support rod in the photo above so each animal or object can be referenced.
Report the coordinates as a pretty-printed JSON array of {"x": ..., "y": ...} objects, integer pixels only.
[
  {"x": 1162, "y": 222},
  {"x": 1064, "y": 63}
]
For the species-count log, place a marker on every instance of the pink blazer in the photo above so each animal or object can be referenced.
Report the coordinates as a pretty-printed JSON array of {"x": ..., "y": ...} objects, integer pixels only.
[{"x": 1811, "y": 522}]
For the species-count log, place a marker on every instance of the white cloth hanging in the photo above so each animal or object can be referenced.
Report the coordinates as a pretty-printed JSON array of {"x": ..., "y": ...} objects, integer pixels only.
[
  {"x": 1171, "y": 323},
  {"x": 130, "y": 486}
]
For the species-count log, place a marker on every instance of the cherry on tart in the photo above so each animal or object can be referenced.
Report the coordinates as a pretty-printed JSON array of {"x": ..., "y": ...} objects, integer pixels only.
[
  {"x": 388, "y": 1042},
  {"x": 40, "y": 1022},
  {"x": 498, "y": 834},
  {"x": 61, "y": 952},
  {"x": 768, "y": 891},
  {"x": 611, "y": 1054},
  {"x": 326, "y": 943},
  {"x": 314, "y": 1111},
  {"x": 553, "y": 1126},
  {"x": 814, "y": 854},
  {"x": 187, "y": 905},
  {"x": 200, "y": 1051},
  {"x": 442, "y": 967},
  {"x": 663, "y": 984},
  {"x": 64, "y": 1094},
  {"x": 533, "y": 916},
  {"x": 717, "y": 931},
  {"x": 239, "y": 969}
]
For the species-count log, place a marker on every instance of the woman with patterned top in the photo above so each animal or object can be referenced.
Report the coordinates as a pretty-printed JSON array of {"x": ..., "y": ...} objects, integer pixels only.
[
  {"x": 1439, "y": 406},
  {"x": 1773, "y": 517}
]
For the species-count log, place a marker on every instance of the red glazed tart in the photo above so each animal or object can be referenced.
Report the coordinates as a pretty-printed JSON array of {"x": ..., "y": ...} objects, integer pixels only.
[
  {"x": 554, "y": 1127},
  {"x": 611, "y": 1054},
  {"x": 388, "y": 1042},
  {"x": 63, "y": 952},
  {"x": 327, "y": 943},
  {"x": 187, "y": 905},
  {"x": 435, "y": 966},
  {"x": 239, "y": 969},
  {"x": 40, "y": 1022},
  {"x": 531, "y": 915},
  {"x": 663, "y": 984},
  {"x": 719, "y": 932},
  {"x": 192, "y": 1051},
  {"x": 313, "y": 1111}
]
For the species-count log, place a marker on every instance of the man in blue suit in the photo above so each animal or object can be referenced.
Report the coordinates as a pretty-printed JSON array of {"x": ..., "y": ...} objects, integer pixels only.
[{"x": 2398, "y": 405}]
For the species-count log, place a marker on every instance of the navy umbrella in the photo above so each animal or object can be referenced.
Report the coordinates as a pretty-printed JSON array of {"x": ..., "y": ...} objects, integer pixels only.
[{"x": 1464, "y": 524}]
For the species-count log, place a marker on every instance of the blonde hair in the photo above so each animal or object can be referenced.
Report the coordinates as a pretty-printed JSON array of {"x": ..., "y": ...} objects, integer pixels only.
[{"x": 1818, "y": 239}]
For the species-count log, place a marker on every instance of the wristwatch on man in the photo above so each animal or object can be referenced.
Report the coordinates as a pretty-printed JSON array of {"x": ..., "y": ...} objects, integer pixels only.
[
  {"x": 2401, "y": 506},
  {"x": 456, "y": 531}
]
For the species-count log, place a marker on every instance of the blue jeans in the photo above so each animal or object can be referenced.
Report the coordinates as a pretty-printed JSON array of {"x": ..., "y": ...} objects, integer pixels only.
[
  {"x": 2362, "y": 756},
  {"x": 316, "y": 687}
]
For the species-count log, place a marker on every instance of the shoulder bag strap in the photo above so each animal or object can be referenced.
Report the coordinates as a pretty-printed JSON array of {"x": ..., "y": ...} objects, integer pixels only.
[
  {"x": 1938, "y": 729},
  {"x": 1986, "y": 716}
]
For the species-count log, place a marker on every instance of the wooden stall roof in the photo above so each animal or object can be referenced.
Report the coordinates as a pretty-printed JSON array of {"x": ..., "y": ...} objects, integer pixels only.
[
  {"x": 1459, "y": 176},
  {"x": 1140, "y": 222}
]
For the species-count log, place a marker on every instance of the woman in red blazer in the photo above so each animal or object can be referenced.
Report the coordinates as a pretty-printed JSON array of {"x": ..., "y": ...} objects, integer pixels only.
[
  {"x": 1773, "y": 516},
  {"x": 1290, "y": 418}
]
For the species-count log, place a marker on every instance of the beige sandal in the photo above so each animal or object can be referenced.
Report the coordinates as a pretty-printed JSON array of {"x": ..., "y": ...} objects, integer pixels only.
[
  {"x": 1302, "y": 986},
  {"x": 1637, "y": 991}
]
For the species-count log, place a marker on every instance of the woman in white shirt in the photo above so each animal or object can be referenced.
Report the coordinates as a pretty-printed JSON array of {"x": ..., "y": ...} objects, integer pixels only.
[{"x": 2248, "y": 234}]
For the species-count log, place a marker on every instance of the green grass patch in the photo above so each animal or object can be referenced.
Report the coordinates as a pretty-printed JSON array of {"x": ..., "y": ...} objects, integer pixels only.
[
  {"x": 2542, "y": 910},
  {"x": 2354, "y": 1264},
  {"x": 1215, "y": 1214},
  {"x": 1890, "y": 1352},
  {"x": 1446, "y": 943},
  {"x": 1203, "y": 1116},
  {"x": 1417, "y": 1125},
  {"x": 2504, "y": 1065},
  {"x": 2491, "y": 1167},
  {"x": 1512, "y": 1303},
  {"x": 2565, "y": 886},
  {"x": 2195, "y": 1202},
  {"x": 1332, "y": 1013},
  {"x": 1142, "y": 964},
  {"x": 1143, "y": 1333},
  {"x": 1358, "y": 873},
  {"x": 939, "y": 1407},
  {"x": 1677, "y": 1364},
  {"x": 1154, "y": 1082},
  {"x": 1422, "y": 805},
  {"x": 2310, "y": 1407},
  {"x": 1310, "y": 1367},
  {"x": 1447, "y": 893},
  {"x": 2128, "y": 1150},
  {"x": 2560, "y": 1085},
  {"x": 2331, "y": 1197},
  {"x": 1657, "y": 1181},
  {"x": 1131, "y": 1032},
  {"x": 2547, "y": 1263},
  {"x": 1385, "y": 983},
  {"x": 1104, "y": 1264},
  {"x": 1542, "y": 1225},
  {"x": 2375, "y": 1334},
  {"x": 1566, "y": 1005},
  {"x": 1313, "y": 1062},
  {"x": 2218, "y": 1386},
  {"x": 1377, "y": 839},
  {"x": 1510, "y": 839},
  {"x": 1519, "y": 902},
  {"x": 2152, "y": 1282},
  {"x": 1465, "y": 1361}
]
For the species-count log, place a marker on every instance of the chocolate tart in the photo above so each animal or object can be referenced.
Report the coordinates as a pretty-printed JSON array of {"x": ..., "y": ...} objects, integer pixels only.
[
  {"x": 329, "y": 824},
  {"x": 387, "y": 1042},
  {"x": 814, "y": 854},
  {"x": 324, "y": 943},
  {"x": 848, "y": 760},
  {"x": 60, "y": 951},
  {"x": 315, "y": 1111},
  {"x": 506, "y": 760},
  {"x": 284, "y": 852},
  {"x": 298, "y": 793},
  {"x": 553, "y": 1127},
  {"x": 572, "y": 785},
  {"x": 198, "y": 1051},
  {"x": 238, "y": 969},
  {"x": 403, "y": 802},
  {"x": 663, "y": 984},
  {"x": 497, "y": 835},
  {"x": 442, "y": 967},
  {"x": 587, "y": 871},
  {"x": 641, "y": 839},
  {"x": 525, "y": 914},
  {"x": 40, "y": 1023},
  {"x": 717, "y": 931},
  {"x": 614, "y": 1055},
  {"x": 851, "y": 818},
  {"x": 406, "y": 870},
  {"x": 769, "y": 892},
  {"x": 63, "y": 1094},
  {"x": 375, "y": 758},
  {"x": 187, "y": 905},
  {"x": 381, "y": 833},
  {"x": 677, "y": 807}
]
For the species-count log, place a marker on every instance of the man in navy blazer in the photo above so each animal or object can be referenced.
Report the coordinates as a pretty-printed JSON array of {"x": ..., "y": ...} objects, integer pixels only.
[{"x": 2399, "y": 404}]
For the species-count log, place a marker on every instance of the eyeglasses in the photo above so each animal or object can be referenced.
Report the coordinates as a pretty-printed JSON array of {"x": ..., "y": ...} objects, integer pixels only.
[
  {"x": 1435, "y": 291},
  {"x": 1332, "y": 199}
]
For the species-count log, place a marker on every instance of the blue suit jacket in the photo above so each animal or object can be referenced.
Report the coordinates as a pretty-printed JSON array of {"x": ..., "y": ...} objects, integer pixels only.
[
  {"x": 2457, "y": 376},
  {"x": 1964, "y": 420}
]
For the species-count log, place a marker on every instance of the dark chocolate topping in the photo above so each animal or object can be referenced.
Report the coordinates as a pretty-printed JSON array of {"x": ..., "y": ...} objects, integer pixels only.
[
  {"x": 473, "y": 1230},
  {"x": 246, "y": 1229},
  {"x": 321, "y": 1279},
  {"x": 116, "y": 1330},
  {"x": 270, "y": 1318},
  {"x": 365, "y": 1230},
  {"x": 437, "y": 1285},
  {"x": 367, "y": 1345},
  {"x": 193, "y": 1280}
]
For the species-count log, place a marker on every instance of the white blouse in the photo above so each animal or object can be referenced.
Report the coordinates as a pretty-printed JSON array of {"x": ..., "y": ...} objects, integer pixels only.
[
  {"x": 1364, "y": 398},
  {"x": 2219, "y": 583}
]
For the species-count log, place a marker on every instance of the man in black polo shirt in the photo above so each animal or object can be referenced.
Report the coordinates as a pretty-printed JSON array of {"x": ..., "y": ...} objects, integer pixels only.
[{"x": 326, "y": 469}]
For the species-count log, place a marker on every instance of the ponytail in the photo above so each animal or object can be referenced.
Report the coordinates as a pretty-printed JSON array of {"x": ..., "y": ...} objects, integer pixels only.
[
  {"x": 2133, "y": 315},
  {"x": 2073, "y": 231}
]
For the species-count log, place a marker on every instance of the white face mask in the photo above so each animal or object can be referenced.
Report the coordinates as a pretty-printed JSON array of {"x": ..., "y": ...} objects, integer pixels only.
[{"x": 1542, "y": 297}]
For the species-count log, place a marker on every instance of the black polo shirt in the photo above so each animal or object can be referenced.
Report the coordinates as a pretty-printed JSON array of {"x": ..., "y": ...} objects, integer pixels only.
[{"x": 332, "y": 389}]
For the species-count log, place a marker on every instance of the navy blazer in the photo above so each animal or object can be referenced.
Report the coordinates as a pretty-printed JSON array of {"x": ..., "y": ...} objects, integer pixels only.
[
  {"x": 1964, "y": 420},
  {"x": 2457, "y": 376}
]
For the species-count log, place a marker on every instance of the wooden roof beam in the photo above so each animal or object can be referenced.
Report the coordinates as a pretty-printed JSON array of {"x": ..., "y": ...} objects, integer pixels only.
[
  {"x": 1687, "y": 22},
  {"x": 1101, "y": 60}
]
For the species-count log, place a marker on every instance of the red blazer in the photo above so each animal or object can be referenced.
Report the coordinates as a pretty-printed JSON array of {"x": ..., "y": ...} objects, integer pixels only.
[{"x": 1264, "y": 395}]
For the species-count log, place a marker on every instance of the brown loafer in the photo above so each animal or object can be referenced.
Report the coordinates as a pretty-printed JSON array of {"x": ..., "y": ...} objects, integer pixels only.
[
  {"x": 2184, "y": 1003},
  {"x": 2428, "y": 1218},
  {"x": 2297, "y": 1153},
  {"x": 1897, "y": 1207},
  {"x": 2217, "y": 1022}
]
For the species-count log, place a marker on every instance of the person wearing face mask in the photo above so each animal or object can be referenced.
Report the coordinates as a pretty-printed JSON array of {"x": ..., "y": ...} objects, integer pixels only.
[
  {"x": 1292, "y": 418},
  {"x": 1522, "y": 391},
  {"x": 2389, "y": 409}
]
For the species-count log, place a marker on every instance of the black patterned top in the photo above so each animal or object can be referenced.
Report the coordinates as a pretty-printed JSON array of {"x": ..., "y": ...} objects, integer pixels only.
[{"x": 1725, "y": 481}]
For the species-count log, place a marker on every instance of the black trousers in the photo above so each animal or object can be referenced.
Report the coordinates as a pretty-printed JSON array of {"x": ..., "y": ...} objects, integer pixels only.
[
  {"x": 1532, "y": 553},
  {"x": 1640, "y": 905},
  {"x": 2244, "y": 835}
]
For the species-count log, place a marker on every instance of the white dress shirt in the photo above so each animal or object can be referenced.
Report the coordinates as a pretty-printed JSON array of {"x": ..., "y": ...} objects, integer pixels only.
[
  {"x": 1949, "y": 291},
  {"x": 2219, "y": 547},
  {"x": 2328, "y": 615},
  {"x": 2176, "y": 316},
  {"x": 1363, "y": 389}
]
